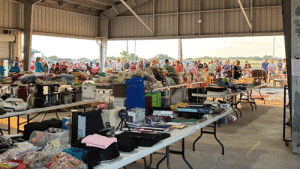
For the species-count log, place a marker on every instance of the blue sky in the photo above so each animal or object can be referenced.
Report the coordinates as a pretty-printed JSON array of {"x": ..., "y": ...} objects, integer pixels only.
[{"x": 223, "y": 47}]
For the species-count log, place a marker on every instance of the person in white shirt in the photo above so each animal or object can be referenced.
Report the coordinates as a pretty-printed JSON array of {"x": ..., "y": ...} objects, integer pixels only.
[
  {"x": 187, "y": 68},
  {"x": 271, "y": 69},
  {"x": 118, "y": 65}
]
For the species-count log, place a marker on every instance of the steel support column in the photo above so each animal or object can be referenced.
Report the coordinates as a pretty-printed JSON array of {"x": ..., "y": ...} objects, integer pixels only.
[
  {"x": 28, "y": 14},
  {"x": 180, "y": 49},
  {"x": 103, "y": 53},
  {"x": 291, "y": 21}
]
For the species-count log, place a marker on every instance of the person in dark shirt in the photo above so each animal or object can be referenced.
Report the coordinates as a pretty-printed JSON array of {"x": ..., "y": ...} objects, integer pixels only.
[
  {"x": 57, "y": 69},
  {"x": 126, "y": 65},
  {"x": 52, "y": 69},
  {"x": 236, "y": 73}
]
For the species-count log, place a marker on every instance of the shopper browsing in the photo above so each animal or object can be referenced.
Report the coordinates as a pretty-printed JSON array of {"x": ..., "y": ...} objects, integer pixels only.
[
  {"x": 39, "y": 68},
  {"x": 279, "y": 66},
  {"x": 132, "y": 67},
  {"x": 271, "y": 69},
  {"x": 14, "y": 69},
  {"x": 187, "y": 68},
  {"x": 226, "y": 69},
  {"x": 236, "y": 72},
  {"x": 118, "y": 65},
  {"x": 52, "y": 68},
  {"x": 265, "y": 65},
  {"x": 126, "y": 65},
  {"x": 1, "y": 68},
  {"x": 178, "y": 67}
]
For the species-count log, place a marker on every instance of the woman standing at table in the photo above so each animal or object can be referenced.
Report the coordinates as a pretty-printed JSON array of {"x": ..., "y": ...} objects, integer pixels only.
[
  {"x": 178, "y": 67},
  {"x": 236, "y": 70}
]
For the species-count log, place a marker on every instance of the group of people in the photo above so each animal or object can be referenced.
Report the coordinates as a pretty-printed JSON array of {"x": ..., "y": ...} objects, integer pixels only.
[
  {"x": 214, "y": 68},
  {"x": 126, "y": 65},
  {"x": 40, "y": 66}
]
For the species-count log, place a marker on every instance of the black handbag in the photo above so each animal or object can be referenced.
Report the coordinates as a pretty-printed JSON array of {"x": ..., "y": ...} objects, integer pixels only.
[
  {"x": 145, "y": 139},
  {"x": 40, "y": 126},
  {"x": 126, "y": 144}
]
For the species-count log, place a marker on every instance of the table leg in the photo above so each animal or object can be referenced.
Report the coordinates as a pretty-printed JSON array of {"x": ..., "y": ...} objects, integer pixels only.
[
  {"x": 237, "y": 116},
  {"x": 168, "y": 156},
  {"x": 145, "y": 162},
  {"x": 194, "y": 144},
  {"x": 44, "y": 116},
  {"x": 215, "y": 134},
  {"x": 183, "y": 153},
  {"x": 210, "y": 132},
  {"x": 157, "y": 166},
  {"x": 57, "y": 115},
  {"x": 18, "y": 124},
  {"x": 8, "y": 126},
  {"x": 253, "y": 101},
  {"x": 27, "y": 118}
]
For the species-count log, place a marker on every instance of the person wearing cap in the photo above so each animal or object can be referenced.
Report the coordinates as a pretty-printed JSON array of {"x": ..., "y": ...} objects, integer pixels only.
[
  {"x": 39, "y": 68},
  {"x": 14, "y": 68},
  {"x": 279, "y": 66},
  {"x": 16, "y": 61}
]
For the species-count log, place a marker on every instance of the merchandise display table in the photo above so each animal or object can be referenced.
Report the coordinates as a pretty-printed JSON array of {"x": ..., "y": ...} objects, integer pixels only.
[
  {"x": 40, "y": 111},
  {"x": 127, "y": 158},
  {"x": 176, "y": 135},
  {"x": 206, "y": 123},
  {"x": 231, "y": 98}
]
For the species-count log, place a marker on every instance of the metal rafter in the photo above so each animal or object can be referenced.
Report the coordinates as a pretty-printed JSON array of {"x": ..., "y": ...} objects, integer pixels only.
[
  {"x": 106, "y": 2},
  {"x": 243, "y": 10},
  {"x": 88, "y": 4},
  {"x": 127, "y": 6}
]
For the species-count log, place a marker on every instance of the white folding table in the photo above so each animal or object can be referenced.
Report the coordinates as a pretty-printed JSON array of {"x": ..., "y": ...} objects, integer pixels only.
[
  {"x": 232, "y": 98},
  {"x": 39, "y": 111},
  {"x": 176, "y": 135}
]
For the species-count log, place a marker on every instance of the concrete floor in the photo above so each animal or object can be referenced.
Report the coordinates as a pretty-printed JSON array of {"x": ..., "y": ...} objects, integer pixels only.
[{"x": 254, "y": 141}]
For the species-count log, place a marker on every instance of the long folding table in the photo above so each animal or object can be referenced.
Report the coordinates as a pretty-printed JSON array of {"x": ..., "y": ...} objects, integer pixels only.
[
  {"x": 231, "y": 98},
  {"x": 176, "y": 135},
  {"x": 39, "y": 111}
]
